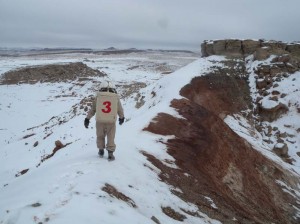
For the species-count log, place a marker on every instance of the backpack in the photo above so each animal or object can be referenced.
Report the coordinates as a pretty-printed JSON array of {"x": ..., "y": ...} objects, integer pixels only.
[{"x": 106, "y": 107}]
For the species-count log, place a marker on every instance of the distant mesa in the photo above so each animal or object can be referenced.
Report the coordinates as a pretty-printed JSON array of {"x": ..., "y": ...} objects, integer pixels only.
[
  {"x": 133, "y": 49},
  {"x": 65, "y": 49},
  {"x": 111, "y": 49},
  {"x": 16, "y": 52},
  {"x": 125, "y": 49}
]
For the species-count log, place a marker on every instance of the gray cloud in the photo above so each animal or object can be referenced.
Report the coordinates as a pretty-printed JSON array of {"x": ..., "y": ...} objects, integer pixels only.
[{"x": 173, "y": 24}]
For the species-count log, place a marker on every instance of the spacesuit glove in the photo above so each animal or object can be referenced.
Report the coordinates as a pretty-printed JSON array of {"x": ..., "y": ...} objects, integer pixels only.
[
  {"x": 86, "y": 123},
  {"x": 121, "y": 120}
]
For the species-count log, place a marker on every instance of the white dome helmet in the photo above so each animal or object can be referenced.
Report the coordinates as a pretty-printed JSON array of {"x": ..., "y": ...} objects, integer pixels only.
[{"x": 107, "y": 86}]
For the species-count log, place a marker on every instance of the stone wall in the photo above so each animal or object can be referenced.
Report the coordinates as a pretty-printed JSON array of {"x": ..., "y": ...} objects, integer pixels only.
[{"x": 240, "y": 48}]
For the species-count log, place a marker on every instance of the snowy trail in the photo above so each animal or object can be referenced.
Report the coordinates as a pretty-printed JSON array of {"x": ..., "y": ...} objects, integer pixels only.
[
  {"x": 71, "y": 182},
  {"x": 69, "y": 186}
]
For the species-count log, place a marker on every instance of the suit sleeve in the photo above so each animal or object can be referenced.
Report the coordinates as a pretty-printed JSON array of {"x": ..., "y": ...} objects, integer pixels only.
[
  {"x": 92, "y": 111},
  {"x": 120, "y": 109}
]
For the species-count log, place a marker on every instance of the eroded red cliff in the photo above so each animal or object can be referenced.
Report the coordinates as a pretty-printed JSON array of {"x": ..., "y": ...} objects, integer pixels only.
[{"x": 215, "y": 162}]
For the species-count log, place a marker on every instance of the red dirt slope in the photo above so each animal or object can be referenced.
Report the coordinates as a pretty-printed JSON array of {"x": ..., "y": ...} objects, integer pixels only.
[{"x": 220, "y": 164}]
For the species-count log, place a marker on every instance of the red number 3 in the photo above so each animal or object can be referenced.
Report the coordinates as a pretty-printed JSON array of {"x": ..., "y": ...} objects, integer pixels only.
[{"x": 107, "y": 105}]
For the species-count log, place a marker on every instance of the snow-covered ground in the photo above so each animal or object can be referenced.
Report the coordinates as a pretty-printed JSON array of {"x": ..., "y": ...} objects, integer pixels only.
[{"x": 69, "y": 186}]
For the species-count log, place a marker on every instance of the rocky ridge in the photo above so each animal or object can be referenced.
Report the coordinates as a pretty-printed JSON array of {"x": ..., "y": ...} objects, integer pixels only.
[
  {"x": 215, "y": 161},
  {"x": 260, "y": 48},
  {"x": 269, "y": 63}
]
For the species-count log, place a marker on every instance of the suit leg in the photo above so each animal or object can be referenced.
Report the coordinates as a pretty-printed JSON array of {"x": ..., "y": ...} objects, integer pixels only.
[
  {"x": 111, "y": 132},
  {"x": 100, "y": 132}
]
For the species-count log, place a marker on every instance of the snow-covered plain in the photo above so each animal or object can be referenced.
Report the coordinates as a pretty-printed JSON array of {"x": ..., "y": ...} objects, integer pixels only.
[{"x": 67, "y": 188}]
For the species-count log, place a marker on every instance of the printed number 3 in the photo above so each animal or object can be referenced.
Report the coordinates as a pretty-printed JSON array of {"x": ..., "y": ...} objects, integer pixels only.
[{"x": 107, "y": 105}]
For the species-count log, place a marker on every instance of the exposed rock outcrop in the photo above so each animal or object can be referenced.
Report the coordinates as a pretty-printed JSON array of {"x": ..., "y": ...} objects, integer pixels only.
[
  {"x": 261, "y": 54},
  {"x": 293, "y": 49},
  {"x": 113, "y": 192},
  {"x": 281, "y": 149},
  {"x": 242, "y": 48},
  {"x": 285, "y": 61},
  {"x": 209, "y": 91},
  {"x": 58, "y": 146},
  {"x": 272, "y": 112},
  {"x": 250, "y": 46},
  {"x": 213, "y": 160},
  {"x": 50, "y": 73}
]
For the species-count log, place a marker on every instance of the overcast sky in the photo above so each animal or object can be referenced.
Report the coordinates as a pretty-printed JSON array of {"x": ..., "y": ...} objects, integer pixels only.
[{"x": 168, "y": 24}]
